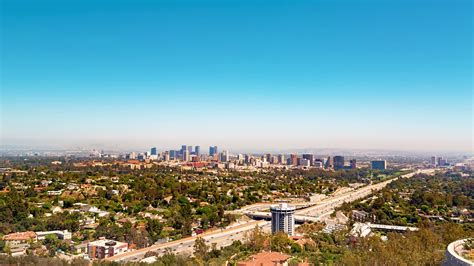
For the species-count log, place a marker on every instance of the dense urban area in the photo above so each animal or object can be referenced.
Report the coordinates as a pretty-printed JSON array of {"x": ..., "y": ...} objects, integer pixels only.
[{"x": 185, "y": 207}]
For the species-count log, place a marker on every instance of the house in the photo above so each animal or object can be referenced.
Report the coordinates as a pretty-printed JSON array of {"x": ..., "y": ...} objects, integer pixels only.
[
  {"x": 266, "y": 259},
  {"x": 19, "y": 242},
  {"x": 54, "y": 192},
  {"x": 360, "y": 216},
  {"x": 57, "y": 209}
]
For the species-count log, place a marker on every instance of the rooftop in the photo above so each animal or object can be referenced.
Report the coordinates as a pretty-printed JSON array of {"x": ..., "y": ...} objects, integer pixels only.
[
  {"x": 266, "y": 259},
  {"x": 20, "y": 236}
]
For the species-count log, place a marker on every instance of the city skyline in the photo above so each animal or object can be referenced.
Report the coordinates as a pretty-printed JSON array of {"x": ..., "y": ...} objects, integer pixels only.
[{"x": 239, "y": 75}]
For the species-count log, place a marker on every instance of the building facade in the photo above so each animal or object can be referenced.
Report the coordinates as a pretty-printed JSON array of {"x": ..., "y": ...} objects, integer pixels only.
[
  {"x": 283, "y": 218},
  {"x": 310, "y": 158},
  {"x": 104, "y": 248},
  {"x": 338, "y": 162},
  {"x": 379, "y": 165}
]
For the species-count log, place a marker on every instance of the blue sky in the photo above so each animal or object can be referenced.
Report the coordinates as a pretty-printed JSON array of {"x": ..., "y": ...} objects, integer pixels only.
[{"x": 239, "y": 74}]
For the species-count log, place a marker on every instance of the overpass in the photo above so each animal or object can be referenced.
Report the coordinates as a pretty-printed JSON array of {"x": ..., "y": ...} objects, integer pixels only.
[
  {"x": 268, "y": 216},
  {"x": 396, "y": 228}
]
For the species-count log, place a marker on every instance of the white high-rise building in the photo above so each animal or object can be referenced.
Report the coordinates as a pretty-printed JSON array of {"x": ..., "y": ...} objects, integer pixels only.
[{"x": 283, "y": 218}]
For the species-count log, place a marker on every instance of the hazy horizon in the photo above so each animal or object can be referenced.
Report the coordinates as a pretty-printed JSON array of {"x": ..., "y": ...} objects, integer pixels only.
[{"x": 385, "y": 75}]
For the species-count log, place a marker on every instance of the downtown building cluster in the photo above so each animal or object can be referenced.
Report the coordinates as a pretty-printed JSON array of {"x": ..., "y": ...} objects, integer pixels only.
[{"x": 192, "y": 155}]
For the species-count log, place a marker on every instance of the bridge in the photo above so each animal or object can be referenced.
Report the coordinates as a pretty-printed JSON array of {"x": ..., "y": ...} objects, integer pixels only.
[
  {"x": 268, "y": 216},
  {"x": 384, "y": 227}
]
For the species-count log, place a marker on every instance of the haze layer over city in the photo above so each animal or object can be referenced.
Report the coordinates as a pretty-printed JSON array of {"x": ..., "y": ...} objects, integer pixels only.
[{"x": 236, "y": 132}]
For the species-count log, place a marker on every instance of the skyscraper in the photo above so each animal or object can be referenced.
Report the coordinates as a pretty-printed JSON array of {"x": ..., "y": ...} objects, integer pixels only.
[
  {"x": 268, "y": 157},
  {"x": 353, "y": 163},
  {"x": 309, "y": 157},
  {"x": 433, "y": 161},
  {"x": 293, "y": 159},
  {"x": 442, "y": 162},
  {"x": 224, "y": 156},
  {"x": 185, "y": 155},
  {"x": 190, "y": 149},
  {"x": 329, "y": 162},
  {"x": 197, "y": 150},
  {"x": 153, "y": 151},
  {"x": 439, "y": 161},
  {"x": 247, "y": 158},
  {"x": 173, "y": 154},
  {"x": 212, "y": 150},
  {"x": 183, "y": 148},
  {"x": 304, "y": 162},
  {"x": 379, "y": 165},
  {"x": 283, "y": 219},
  {"x": 281, "y": 159},
  {"x": 338, "y": 162}
]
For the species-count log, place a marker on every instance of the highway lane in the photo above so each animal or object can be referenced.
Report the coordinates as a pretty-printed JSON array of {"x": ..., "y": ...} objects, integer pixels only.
[{"x": 225, "y": 237}]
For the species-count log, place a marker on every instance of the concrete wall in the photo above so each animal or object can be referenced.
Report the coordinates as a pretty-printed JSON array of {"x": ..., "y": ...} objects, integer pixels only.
[{"x": 452, "y": 258}]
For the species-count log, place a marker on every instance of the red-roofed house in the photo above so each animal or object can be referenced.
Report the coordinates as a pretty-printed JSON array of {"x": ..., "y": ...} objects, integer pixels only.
[{"x": 266, "y": 259}]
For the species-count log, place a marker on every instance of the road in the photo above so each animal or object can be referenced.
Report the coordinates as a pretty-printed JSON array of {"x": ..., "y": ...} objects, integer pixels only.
[{"x": 225, "y": 237}]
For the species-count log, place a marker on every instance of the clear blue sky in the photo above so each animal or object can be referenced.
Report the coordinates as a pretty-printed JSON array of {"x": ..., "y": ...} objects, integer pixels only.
[{"x": 239, "y": 74}]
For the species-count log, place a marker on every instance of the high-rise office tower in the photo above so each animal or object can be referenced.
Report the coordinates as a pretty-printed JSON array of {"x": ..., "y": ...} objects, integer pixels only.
[
  {"x": 247, "y": 158},
  {"x": 304, "y": 162},
  {"x": 183, "y": 148},
  {"x": 329, "y": 162},
  {"x": 338, "y": 162},
  {"x": 281, "y": 159},
  {"x": 353, "y": 163},
  {"x": 379, "y": 165},
  {"x": 224, "y": 156},
  {"x": 268, "y": 157},
  {"x": 185, "y": 155},
  {"x": 283, "y": 218},
  {"x": 309, "y": 157},
  {"x": 294, "y": 159},
  {"x": 197, "y": 150},
  {"x": 439, "y": 161},
  {"x": 153, "y": 151},
  {"x": 173, "y": 154},
  {"x": 442, "y": 162},
  {"x": 434, "y": 162},
  {"x": 212, "y": 150}
]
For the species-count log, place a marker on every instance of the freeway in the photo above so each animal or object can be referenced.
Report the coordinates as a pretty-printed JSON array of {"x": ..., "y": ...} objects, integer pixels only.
[{"x": 225, "y": 237}]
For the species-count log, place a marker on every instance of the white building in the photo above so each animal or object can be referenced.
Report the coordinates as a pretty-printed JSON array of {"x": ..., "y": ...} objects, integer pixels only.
[
  {"x": 305, "y": 162},
  {"x": 318, "y": 164},
  {"x": 283, "y": 218}
]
